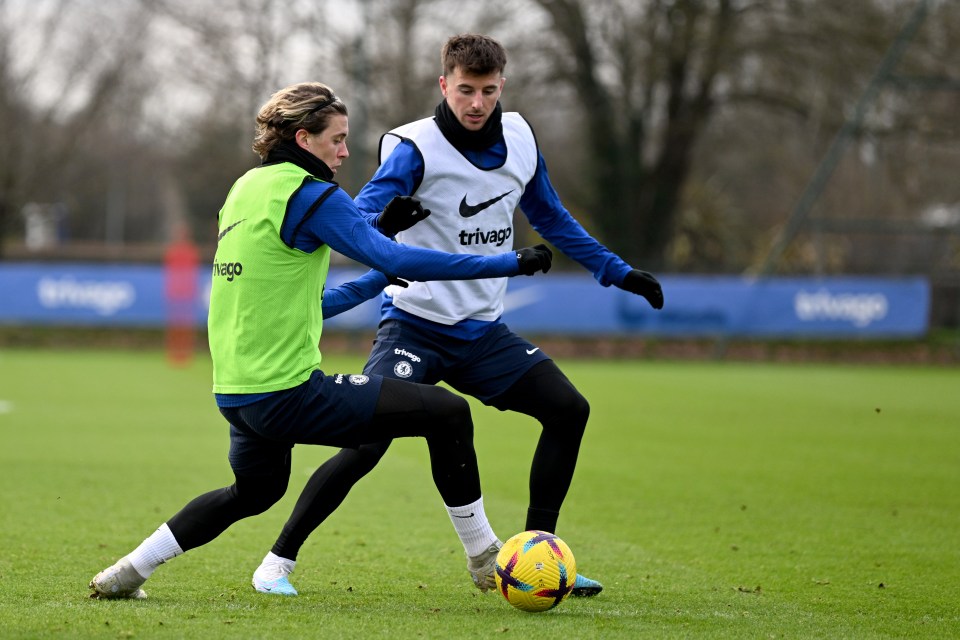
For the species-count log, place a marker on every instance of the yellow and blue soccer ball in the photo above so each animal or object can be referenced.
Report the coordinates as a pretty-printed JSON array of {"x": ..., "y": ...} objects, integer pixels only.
[{"x": 535, "y": 571}]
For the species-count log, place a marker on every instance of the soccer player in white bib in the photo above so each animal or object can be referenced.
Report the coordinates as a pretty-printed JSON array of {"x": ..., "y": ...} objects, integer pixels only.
[{"x": 472, "y": 165}]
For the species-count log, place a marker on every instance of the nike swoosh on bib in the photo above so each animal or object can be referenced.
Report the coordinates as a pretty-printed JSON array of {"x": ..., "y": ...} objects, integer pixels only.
[
  {"x": 227, "y": 230},
  {"x": 470, "y": 210}
]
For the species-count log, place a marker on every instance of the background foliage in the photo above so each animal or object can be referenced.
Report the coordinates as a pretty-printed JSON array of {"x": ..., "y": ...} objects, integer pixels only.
[{"x": 680, "y": 132}]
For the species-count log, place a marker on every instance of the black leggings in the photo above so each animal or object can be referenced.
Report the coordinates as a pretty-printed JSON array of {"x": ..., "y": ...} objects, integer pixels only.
[
  {"x": 403, "y": 409},
  {"x": 543, "y": 393}
]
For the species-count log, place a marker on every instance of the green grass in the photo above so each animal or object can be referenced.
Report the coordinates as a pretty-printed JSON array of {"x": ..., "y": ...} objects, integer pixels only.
[{"x": 713, "y": 500}]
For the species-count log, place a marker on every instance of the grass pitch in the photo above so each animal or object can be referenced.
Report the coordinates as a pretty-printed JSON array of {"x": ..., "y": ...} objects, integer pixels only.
[{"x": 713, "y": 500}]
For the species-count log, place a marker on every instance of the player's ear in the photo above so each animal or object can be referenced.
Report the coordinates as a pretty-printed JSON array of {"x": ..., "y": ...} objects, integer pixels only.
[{"x": 301, "y": 137}]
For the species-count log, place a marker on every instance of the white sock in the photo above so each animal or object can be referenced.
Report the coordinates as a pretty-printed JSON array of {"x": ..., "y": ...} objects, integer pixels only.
[
  {"x": 154, "y": 551},
  {"x": 471, "y": 524},
  {"x": 272, "y": 558}
]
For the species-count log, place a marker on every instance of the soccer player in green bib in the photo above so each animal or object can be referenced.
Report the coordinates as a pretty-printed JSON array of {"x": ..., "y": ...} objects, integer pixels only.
[{"x": 277, "y": 228}]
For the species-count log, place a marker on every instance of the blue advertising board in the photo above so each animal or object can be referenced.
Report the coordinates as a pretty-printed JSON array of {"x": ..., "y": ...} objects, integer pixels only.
[
  {"x": 698, "y": 306},
  {"x": 565, "y": 304}
]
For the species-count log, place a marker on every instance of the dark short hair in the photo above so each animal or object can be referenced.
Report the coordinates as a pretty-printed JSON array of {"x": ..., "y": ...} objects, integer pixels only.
[{"x": 474, "y": 54}]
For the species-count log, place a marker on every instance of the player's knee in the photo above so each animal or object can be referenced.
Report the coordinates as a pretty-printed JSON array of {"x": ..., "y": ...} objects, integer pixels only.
[
  {"x": 256, "y": 494},
  {"x": 362, "y": 459},
  {"x": 569, "y": 413},
  {"x": 578, "y": 407},
  {"x": 452, "y": 412}
]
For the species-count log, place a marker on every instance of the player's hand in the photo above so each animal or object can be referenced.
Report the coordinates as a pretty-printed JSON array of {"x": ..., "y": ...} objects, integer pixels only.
[
  {"x": 534, "y": 259},
  {"x": 400, "y": 214},
  {"x": 400, "y": 282},
  {"x": 644, "y": 284}
]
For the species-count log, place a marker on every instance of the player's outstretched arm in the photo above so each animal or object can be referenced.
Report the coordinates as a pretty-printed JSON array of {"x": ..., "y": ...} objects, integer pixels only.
[
  {"x": 369, "y": 247},
  {"x": 348, "y": 295},
  {"x": 343, "y": 229}
]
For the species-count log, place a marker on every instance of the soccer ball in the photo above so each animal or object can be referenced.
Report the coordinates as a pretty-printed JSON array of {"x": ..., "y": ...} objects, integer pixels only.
[{"x": 535, "y": 571}]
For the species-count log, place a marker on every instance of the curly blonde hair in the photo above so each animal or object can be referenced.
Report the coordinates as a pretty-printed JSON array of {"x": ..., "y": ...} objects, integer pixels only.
[{"x": 306, "y": 105}]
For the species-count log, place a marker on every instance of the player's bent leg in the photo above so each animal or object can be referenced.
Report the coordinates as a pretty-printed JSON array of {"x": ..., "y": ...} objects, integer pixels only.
[
  {"x": 209, "y": 515},
  {"x": 443, "y": 418},
  {"x": 546, "y": 394},
  {"x": 408, "y": 409},
  {"x": 324, "y": 492},
  {"x": 200, "y": 521}
]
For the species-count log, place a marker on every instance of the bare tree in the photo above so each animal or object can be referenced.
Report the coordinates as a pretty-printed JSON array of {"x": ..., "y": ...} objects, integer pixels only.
[
  {"x": 807, "y": 68},
  {"x": 644, "y": 76},
  {"x": 392, "y": 65},
  {"x": 680, "y": 132},
  {"x": 70, "y": 86},
  {"x": 650, "y": 78}
]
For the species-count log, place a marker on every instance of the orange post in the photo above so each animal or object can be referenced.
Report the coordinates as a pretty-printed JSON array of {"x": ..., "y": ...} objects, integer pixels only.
[{"x": 180, "y": 292}]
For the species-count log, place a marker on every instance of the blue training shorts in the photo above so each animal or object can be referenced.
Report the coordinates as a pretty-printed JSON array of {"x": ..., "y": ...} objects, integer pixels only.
[
  {"x": 483, "y": 368},
  {"x": 330, "y": 410}
]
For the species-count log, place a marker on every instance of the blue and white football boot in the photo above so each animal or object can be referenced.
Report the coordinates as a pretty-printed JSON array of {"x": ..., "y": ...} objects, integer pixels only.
[
  {"x": 271, "y": 577},
  {"x": 584, "y": 587}
]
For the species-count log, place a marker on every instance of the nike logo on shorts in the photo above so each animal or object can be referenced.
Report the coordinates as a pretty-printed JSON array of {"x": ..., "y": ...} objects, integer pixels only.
[
  {"x": 470, "y": 210},
  {"x": 530, "y": 352}
]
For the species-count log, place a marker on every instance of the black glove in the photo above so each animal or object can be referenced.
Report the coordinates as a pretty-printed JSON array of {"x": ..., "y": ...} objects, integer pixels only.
[
  {"x": 644, "y": 284},
  {"x": 400, "y": 214},
  {"x": 534, "y": 259},
  {"x": 400, "y": 282}
]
